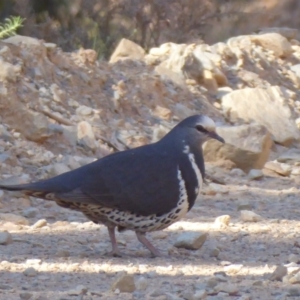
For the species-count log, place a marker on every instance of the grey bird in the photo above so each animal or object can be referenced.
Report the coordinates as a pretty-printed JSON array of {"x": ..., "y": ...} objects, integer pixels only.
[{"x": 144, "y": 189}]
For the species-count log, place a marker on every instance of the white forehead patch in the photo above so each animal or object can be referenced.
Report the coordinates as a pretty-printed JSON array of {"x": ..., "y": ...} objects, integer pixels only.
[{"x": 208, "y": 123}]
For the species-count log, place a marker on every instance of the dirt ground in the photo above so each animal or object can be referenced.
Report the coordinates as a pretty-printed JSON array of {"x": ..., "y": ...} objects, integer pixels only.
[{"x": 69, "y": 254}]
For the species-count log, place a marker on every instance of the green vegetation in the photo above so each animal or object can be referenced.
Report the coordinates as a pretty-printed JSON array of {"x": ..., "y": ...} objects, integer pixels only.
[{"x": 10, "y": 26}]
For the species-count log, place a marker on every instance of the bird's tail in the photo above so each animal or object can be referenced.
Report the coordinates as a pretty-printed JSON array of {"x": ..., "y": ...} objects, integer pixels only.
[{"x": 30, "y": 189}]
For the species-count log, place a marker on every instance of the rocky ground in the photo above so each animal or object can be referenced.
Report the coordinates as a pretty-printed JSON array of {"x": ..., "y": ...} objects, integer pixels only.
[{"x": 59, "y": 111}]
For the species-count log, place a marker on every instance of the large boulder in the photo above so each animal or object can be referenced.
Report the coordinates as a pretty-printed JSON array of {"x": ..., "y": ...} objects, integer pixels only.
[
  {"x": 247, "y": 146},
  {"x": 267, "y": 107},
  {"x": 127, "y": 49}
]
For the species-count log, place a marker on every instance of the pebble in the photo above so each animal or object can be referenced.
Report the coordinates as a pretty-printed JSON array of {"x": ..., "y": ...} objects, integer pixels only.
[
  {"x": 25, "y": 296},
  {"x": 200, "y": 295},
  {"x": 222, "y": 220},
  {"x": 16, "y": 219},
  {"x": 294, "y": 258},
  {"x": 124, "y": 283},
  {"x": 84, "y": 110},
  {"x": 244, "y": 205},
  {"x": 294, "y": 279},
  {"x": 5, "y": 238},
  {"x": 255, "y": 174},
  {"x": 30, "y": 212},
  {"x": 278, "y": 273},
  {"x": 190, "y": 240},
  {"x": 141, "y": 283},
  {"x": 79, "y": 290},
  {"x": 294, "y": 292},
  {"x": 250, "y": 216},
  {"x": 63, "y": 253},
  {"x": 30, "y": 272},
  {"x": 237, "y": 172},
  {"x": 228, "y": 288},
  {"x": 39, "y": 224},
  {"x": 233, "y": 269}
]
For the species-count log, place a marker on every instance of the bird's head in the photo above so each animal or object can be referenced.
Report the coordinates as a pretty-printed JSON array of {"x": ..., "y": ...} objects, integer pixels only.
[{"x": 195, "y": 130}]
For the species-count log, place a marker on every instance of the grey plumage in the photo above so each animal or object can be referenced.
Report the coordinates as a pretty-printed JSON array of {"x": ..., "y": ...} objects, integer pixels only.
[{"x": 143, "y": 189}]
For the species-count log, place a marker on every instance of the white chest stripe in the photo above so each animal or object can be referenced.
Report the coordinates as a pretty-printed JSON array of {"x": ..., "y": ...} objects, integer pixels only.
[{"x": 195, "y": 168}]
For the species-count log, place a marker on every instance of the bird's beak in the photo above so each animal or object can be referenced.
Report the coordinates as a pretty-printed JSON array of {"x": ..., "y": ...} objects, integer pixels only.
[{"x": 214, "y": 135}]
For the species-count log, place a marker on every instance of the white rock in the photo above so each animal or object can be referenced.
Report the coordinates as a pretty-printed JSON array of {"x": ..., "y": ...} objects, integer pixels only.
[
  {"x": 222, "y": 220},
  {"x": 39, "y": 224},
  {"x": 190, "y": 240},
  {"x": 294, "y": 258},
  {"x": 255, "y": 174},
  {"x": 141, "y": 283},
  {"x": 248, "y": 146},
  {"x": 30, "y": 212},
  {"x": 14, "y": 219},
  {"x": 275, "y": 42},
  {"x": 280, "y": 168},
  {"x": 5, "y": 238},
  {"x": 250, "y": 216},
  {"x": 200, "y": 295},
  {"x": 226, "y": 287},
  {"x": 124, "y": 283},
  {"x": 267, "y": 107},
  {"x": 84, "y": 110},
  {"x": 233, "y": 269},
  {"x": 30, "y": 272}
]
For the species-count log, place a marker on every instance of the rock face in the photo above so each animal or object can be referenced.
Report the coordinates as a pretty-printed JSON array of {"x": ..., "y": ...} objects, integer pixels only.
[
  {"x": 274, "y": 42},
  {"x": 127, "y": 49},
  {"x": 267, "y": 107},
  {"x": 247, "y": 146}
]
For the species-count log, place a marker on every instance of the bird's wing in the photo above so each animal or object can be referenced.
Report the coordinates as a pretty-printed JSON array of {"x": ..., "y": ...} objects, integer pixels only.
[{"x": 142, "y": 181}]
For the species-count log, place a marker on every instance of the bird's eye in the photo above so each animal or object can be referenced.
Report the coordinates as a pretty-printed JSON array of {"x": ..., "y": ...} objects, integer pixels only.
[{"x": 201, "y": 128}]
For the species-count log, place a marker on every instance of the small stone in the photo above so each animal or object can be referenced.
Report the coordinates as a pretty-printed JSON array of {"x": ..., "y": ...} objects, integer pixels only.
[
  {"x": 255, "y": 174},
  {"x": 279, "y": 168},
  {"x": 233, "y": 269},
  {"x": 250, "y": 216},
  {"x": 79, "y": 290},
  {"x": 25, "y": 296},
  {"x": 34, "y": 261},
  {"x": 294, "y": 279},
  {"x": 30, "y": 272},
  {"x": 200, "y": 295},
  {"x": 214, "y": 252},
  {"x": 228, "y": 288},
  {"x": 294, "y": 292},
  {"x": 294, "y": 258},
  {"x": 5, "y": 238},
  {"x": 85, "y": 135},
  {"x": 84, "y": 110},
  {"x": 244, "y": 205},
  {"x": 222, "y": 220},
  {"x": 30, "y": 212},
  {"x": 13, "y": 219},
  {"x": 63, "y": 253},
  {"x": 278, "y": 273},
  {"x": 59, "y": 168},
  {"x": 141, "y": 283},
  {"x": 190, "y": 240},
  {"x": 124, "y": 283},
  {"x": 39, "y": 224},
  {"x": 5, "y": 287},
  {"x": 237, "y": 172}
]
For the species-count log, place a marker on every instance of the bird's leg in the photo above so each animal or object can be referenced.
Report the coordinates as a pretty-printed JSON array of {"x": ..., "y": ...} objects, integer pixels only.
[
  {"x": 142, "y": 238},
  {"x": 115, "y": 249}
]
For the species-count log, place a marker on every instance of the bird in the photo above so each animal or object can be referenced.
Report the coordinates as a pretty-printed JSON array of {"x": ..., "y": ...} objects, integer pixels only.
[{"x": 143, "y": 189}]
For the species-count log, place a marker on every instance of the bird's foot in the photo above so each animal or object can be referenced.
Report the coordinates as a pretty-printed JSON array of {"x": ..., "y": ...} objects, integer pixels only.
[
  {"x": 115, "y": 253},
  {"x": 115, "y": 249},
  {"x": 154, "y": 252}
]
